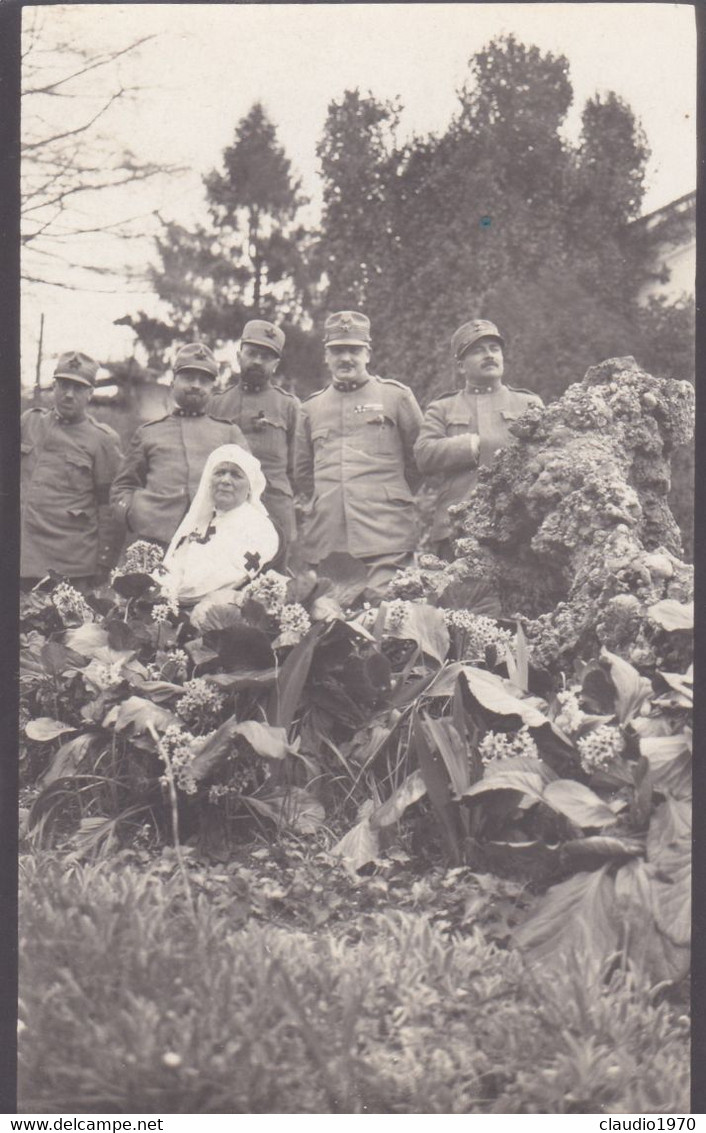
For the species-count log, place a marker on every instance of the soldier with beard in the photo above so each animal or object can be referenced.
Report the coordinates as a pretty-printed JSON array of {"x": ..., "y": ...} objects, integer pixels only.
[
  {"x": 268, "y": 416},
  {"x": 161, "y": 472}
]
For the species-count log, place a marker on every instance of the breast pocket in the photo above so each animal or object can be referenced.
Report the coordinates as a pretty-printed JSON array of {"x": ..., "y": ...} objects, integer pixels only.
[
  {"x": 318, "y": 439},
  {"x": 459, "y": 424},
  {"x": 268, "y": 438},
  {"x": 79, "y": 471},
  {"x": 376, "y": 434}
]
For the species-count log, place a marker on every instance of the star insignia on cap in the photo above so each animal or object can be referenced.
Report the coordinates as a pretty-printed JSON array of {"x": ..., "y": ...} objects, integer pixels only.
[
  {"x": 270, "y": 332},
  {"x": 199, "y": 352},
  {"x": 346, "y": 323},
  {"x": 74, "y": 363}
]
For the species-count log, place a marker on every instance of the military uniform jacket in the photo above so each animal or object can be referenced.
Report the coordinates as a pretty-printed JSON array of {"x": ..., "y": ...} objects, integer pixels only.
[
  {"x": 354, "y": 458},
  {"x": 461, "y": 432},
  {"x": 65, "y": 476},
  {"x": 269, "y": 418},
  {"x": 162, "y": 469}
]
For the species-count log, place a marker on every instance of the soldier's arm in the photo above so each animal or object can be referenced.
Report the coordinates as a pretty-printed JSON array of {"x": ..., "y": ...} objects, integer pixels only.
[
  {"x": 303, "y": 457},
  {"x": 110, "y": 533},
  {"x": 293, "y": 426},
  {"x": 238, "y": 437},
  {"x": 409, "y": 420},
  {"x": 131, "y": 475},
  {"x": 436, "y": 452}
]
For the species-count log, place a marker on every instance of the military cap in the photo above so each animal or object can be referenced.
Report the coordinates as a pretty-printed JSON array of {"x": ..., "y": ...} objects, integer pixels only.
[
  {"x": 260, "y": 333},
  {"x": 196, "y": 356},
  {"x": 347, "y": 328},
  {"x": 77, "y": 367},
  {"x": 469, "y": 333}
]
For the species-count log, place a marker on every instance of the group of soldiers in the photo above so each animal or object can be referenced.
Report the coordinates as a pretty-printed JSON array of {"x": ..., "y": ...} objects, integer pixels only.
[{"x": 341, "y": 465}]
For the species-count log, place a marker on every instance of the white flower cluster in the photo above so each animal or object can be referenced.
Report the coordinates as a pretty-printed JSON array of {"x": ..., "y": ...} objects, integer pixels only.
[
  {"x": 104, "y": 676},
  {"x": 507, "y": 745},
  {"x": 200, "y": 704},
  {"x": 294, "y": 622},
  {"x": 269, "y": 589},
  {"x": 397, "y": 614},
  {"x": 141, "y": 557},
  {"x": 177, "y": 749},
  {"x": 571, "y": 716},
  {"x": 70, "y": 605},
  {"x": 479, "y": 630},
  {"x": 162, "y": 610},
  {"x": 176, "y": 659},
  {"x": 599, "y": 747}
]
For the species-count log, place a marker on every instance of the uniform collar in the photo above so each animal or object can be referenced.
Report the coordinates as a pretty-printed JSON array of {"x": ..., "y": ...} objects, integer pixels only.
[
  {"x": 348, "y": 385},
  {"x": 483, "y": 388},
  {"x": 179, "y": 412},
  {"x": 64, "y": 420},
  {"x": 250, "y": 386}
]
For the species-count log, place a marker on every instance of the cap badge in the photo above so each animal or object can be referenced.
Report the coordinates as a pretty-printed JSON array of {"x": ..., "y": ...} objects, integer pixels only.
[
  {"x": 270, "y": 332},
  {"x": 346, "y": 323},
  {"x": 74, "y": 363},
  {"x": 199, "y": 352}
]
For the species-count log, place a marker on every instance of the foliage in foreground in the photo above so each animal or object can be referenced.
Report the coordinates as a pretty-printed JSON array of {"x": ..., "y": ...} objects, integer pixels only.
[
  {"x": 345, "y": 722},
  {"x": 132, "y": 1001}
]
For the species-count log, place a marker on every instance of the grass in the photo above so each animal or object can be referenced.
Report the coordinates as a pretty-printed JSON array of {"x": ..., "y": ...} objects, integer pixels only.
[{"x": 135, "y": 1000}]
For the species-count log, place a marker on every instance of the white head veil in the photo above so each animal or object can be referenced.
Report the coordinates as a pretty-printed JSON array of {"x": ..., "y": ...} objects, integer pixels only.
[{"x": 202, "y": 508}]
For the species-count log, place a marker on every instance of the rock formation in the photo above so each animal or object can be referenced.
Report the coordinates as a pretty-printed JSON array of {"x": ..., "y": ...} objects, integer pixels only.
[{"x": 571, "y": 523}]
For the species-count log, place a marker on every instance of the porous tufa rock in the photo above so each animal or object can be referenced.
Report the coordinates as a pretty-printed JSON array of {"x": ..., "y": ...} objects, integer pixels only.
[{"x": 571, "y": 523}]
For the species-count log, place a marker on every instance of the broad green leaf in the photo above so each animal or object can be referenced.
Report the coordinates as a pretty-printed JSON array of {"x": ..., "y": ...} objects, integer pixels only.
[
  {"x": 444, "y": 738},
  {"x": 669, "y": 858},
  {"x": 325, "y": 608},
  {"x": 409, "y": 791},
  {"x": 436, "y": 780},
  {"x": 44, "y": 729},
  {"x": 475, "y": 595},
  {"x": 605, "y": 846},
  {"x": 492, "y": 694},
  {"x": 346, "y": 574},
  {"x": 575, "y": 917},
  {"x": 359, "y": 846},
  {"x": 670, "y": 762},
  {"x": 58, "y": 659},
  {"x": 631, "y": 689},
  {"x": 520, "y": 773},
  {"x": 86, "y": 638},
  {"x": 244, "y": 678},
  {"x": 292, "y": 807},
  {"x": 285, "y": 697},
  {"x": 639, "y": 909},
  {"x": 266, "y": 740},
  {"x": 672, "y": 615},
  {"x": 682, "y": 684},
  {"x": 139, "y": 715},
  {"x": 66, "y": 761},
  {"x": 425, "y": 625},
  {"x": 578, "y": 803},
  {"x": 208, "y": 615},
  {"x": 158, "y": 690}
]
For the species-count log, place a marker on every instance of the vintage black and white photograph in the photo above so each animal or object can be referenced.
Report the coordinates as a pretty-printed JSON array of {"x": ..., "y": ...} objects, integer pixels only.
[{"x": 356, "y": 584}]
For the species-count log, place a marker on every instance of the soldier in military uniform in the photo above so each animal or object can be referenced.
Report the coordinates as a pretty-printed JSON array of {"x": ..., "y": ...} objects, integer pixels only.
[
  {"x": 354, "y": 458},
  {"x": 163, "y": 467},
  {"x": 268, "y": 417},
  {"x": 68, "y": 463},
  {"x": 464, "y": 428}
]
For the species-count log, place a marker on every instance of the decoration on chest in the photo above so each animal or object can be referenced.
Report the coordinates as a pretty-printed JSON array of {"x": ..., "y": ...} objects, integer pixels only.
[{"x": 376, "y": 409}]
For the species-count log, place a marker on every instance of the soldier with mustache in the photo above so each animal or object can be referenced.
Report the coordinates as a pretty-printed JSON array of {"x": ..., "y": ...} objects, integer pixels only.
[
  {"x": 464, "y": 428},
  {"x": 268, "y": 416}
]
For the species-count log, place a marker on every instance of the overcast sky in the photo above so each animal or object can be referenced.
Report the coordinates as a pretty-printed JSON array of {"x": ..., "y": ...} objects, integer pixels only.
[{"x": 207, "y": 64}]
